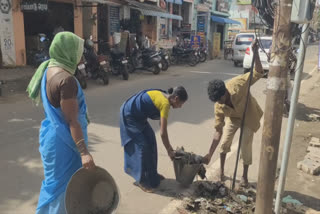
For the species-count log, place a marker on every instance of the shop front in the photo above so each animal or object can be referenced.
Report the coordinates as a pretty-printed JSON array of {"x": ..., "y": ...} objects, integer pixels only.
[
  {"x": 38, "y": 19},
  {"x": 154, "y": 22}
]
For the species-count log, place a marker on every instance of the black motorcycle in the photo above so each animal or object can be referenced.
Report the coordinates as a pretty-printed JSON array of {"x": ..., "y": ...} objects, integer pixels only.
[
  {"x": 203, "y": 54},
  {"x": 119, "y": 64},
  {"x": 187, "y": 55},
  {"x": 36, "y": 56},
  {"x": 94, "y": 66},
  {"x": 164, "y": 59},
  {"x": 146, "y": 59},
  {"x": 81, "y": 74}
]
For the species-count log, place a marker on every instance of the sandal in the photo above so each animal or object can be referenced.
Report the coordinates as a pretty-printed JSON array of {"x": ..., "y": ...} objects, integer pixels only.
[{"x": 145, "y": 189}]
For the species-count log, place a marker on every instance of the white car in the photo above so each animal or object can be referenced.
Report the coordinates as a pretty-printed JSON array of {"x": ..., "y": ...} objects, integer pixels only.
[
  {"x": 239, "y": 46},
  {"x": 266, "y": 43}
]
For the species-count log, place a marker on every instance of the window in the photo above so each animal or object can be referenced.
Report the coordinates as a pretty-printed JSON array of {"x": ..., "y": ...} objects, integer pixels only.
[
  {"x": 163, "y": 28},
  {"x": 244, "y": 39},
  {"x": 266, "y": 43}
]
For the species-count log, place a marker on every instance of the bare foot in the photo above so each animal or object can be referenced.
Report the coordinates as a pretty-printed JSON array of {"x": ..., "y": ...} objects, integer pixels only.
[
  {"x": 143, "y": 188},
  {"x": 221, "y": 177},
  {"x": 244, "y": 182}
]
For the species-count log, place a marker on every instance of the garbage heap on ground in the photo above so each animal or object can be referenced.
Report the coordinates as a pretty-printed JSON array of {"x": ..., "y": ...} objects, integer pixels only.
[{"x": 215, "y": 197}]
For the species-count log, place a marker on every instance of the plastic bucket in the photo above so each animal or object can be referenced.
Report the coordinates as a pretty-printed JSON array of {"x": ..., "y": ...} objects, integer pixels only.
[{"x": 185, "y": 173}]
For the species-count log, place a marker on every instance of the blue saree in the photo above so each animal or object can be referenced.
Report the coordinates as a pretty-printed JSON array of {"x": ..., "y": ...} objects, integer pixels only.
[
  {"x": 138, "y": 139},
  {"x": 59, "y": 153}
]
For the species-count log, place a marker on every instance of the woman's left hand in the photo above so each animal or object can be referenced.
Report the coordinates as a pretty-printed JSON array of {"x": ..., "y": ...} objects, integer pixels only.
[{"x": 87, "y": 161}]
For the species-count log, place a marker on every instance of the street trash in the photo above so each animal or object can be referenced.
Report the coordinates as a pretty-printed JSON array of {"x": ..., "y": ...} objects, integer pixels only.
[
  {"x": 187, "y": 166},
  {"x": 314, "y": 117},
  {"x": 243, "y": 198},
  {"x": 215, "y": 197},
  {"x": 290, "y": 200}
]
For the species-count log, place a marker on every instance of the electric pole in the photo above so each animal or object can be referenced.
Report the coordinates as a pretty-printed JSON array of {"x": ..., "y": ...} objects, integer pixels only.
[{"x": 276, "y": 89}]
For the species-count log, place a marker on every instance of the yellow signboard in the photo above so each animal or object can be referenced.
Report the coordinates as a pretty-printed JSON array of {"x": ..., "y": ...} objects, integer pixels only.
[
  {"x": 244, "y": 2},
  {"x": 216, "y": 44}
]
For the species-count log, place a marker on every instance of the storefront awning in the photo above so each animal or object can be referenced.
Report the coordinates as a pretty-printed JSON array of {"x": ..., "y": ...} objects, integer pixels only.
[
  {"x": 152, "y": 10},
  {"x": 159, "y": 14},
  {"x": 175, "y": 1},
  {"x": 108, "y": 2},
  {"x": 224, "y": 20}
]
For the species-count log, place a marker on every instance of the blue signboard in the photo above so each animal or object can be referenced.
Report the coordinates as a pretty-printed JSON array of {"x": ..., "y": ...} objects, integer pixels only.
[{"x": 195, "y": 41}]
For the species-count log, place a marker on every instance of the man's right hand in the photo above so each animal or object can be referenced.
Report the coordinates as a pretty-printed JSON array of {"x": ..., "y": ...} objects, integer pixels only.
[
  {"x": 207, "y": 159},
  {"x": 87, "y": 161}
]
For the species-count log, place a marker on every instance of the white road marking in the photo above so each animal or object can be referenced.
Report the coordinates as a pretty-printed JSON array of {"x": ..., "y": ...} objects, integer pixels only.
[{"x": 200, "y": 72}]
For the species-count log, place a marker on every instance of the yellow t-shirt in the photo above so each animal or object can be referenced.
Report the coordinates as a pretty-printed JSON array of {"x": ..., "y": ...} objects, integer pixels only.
[{"x": 160, "y": 102}]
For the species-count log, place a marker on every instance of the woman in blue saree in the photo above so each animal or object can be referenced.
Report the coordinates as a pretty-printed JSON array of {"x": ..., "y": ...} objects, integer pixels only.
[
  {"x": 63, "y": 134},
  {"x": 138, "y": 138}
]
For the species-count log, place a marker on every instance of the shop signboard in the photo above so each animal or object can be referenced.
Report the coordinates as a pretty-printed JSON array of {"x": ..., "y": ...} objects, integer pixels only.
[
  {"x": 216, "y": 44},
  {"x": 7, "y": 45},
  {"x": 195, "y": 41},
  {"x": 114, "y": 19},
  {"x": 34, "y": 5},
  {"x": 244, "y": 2},
  {"x": 201, "y": 23}
]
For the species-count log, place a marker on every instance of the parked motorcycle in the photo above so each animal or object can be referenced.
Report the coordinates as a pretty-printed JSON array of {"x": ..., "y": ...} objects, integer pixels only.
[
  {"x": 119, "y": 64},
  {"x": 95, "y": 66},
  {"x": 145, "y": 59},
  {"x": 81, "y": 74},
  {"x": 182, "y": 54},
  {"x": 164, "y": 59},
  {"x": 203, "y": 54},
  {"x": 37, "y": 56}
]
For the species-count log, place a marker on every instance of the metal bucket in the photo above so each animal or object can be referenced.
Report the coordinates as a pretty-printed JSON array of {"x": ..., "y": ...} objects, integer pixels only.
[
  {"x": 185, "y": 173},
  {"x": 92, "y": 192}
]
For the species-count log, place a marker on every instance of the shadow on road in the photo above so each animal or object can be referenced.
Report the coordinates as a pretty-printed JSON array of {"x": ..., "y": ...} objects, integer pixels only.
[
  {"x": 306, "y": 113},
  {"x": 307, "y": 200}
]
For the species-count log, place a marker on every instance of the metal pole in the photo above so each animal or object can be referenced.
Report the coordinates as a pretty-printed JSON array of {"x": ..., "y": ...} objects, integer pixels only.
[
  {"x": 276, "y": 89},
  {"x": 292, "y": 116}
]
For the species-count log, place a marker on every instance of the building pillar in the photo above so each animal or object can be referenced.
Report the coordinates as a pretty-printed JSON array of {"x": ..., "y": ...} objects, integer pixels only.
[
  {"x": 95, "y": 25},
  {"x": 170, "y": 20},
  {"x": 19, "y": 34},
  {"x": 78, "y": 27}
]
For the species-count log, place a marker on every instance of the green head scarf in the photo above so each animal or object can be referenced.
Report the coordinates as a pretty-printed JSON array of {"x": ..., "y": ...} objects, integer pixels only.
[{"x": 65, "y": 52}]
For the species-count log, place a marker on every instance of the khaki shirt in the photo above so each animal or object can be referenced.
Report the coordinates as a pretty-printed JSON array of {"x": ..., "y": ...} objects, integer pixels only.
[{"x": 238, "y": 87}]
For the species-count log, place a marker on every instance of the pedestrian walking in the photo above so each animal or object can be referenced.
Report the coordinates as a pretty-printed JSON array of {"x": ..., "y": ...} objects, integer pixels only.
[
  {"x": 63, "y": 133},
  {"x": 137, "y": 136},
  {"x": 230, "y": 100}
]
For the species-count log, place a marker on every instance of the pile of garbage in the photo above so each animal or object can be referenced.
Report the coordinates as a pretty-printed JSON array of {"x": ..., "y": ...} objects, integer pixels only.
[{"x": 215, "y": 197}]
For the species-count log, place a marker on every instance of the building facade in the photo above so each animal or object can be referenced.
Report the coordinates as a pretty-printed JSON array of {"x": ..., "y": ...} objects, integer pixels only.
[{"x": 24, "y": 20}]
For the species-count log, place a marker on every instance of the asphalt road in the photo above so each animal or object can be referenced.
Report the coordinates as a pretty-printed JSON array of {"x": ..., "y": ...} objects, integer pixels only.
[{"x": 191, "y": 127}]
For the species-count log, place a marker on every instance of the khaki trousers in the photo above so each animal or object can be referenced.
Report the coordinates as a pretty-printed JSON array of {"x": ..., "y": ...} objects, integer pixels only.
[{"x": 246, "y": 146}]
